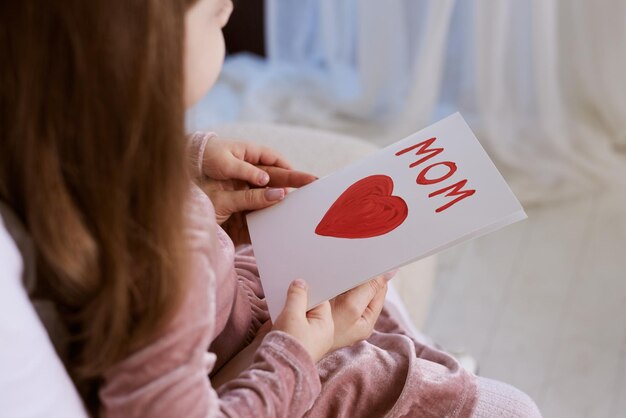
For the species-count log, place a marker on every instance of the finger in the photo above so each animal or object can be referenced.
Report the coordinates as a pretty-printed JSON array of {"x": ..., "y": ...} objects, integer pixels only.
[
  {"x": 280, "y": 177},
  {"x": 250, "y": 199},
  {"x": 297, "y": 297},
  {"x": 242, "y": 170},
  {"x": 390, "y": 274},
  {"x": 371, "y": 313},
  {"x": 270, "y": 157},
  {"x": 362, "y": 295},
  {"x": 259, "y": 155}
]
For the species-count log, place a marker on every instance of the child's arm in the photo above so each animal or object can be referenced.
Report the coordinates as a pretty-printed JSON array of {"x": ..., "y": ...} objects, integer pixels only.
[
  {"x": 169, "y": 378},
  {"x": 239, "y": 177}
]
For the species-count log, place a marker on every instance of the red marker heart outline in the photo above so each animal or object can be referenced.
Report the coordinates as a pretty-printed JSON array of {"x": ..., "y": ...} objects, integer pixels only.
[{"x": 364, "y": 210}]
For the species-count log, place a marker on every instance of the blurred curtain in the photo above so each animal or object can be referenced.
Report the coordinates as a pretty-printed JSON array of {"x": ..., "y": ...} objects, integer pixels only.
[{"x": 541, "y": 82}]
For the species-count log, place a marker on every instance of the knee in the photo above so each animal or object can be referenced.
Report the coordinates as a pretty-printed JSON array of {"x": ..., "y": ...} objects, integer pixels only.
[{"x": 497, "y": 399}]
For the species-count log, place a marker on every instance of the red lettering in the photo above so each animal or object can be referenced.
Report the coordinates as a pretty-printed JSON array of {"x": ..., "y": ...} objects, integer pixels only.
[
  {"x": 455, "y": 191},
  {"x": 422, "y": 149},
  {"x": 421, "y": 178}
]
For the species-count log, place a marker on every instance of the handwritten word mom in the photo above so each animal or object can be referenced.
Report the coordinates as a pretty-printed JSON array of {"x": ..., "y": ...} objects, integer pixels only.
[{"x": 424, "y": 179}]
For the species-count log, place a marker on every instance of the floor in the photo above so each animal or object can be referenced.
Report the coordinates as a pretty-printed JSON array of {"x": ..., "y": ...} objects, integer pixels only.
[{"x": 542, "y": 305}]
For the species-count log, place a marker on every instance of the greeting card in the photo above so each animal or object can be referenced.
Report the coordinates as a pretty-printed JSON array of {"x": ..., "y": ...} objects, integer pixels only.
[{"x": 416, "y": 197}]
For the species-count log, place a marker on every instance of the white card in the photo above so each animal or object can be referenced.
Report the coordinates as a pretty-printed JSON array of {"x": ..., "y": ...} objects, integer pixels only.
[{"x": 410, "y": 200}]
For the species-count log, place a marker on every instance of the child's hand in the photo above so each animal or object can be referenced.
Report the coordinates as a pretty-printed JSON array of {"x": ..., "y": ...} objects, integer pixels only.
[
  {"x": 234, "y": 170},
  {"x": 234, "y": 195},
  {"x": 226, "y": 159},
  {"x": 355, "y": 312},
  {"x": 313, "y": 329}
]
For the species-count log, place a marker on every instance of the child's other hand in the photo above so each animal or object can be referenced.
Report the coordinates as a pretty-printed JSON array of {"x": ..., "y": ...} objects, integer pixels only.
[
  {"x": 226, "y": 159},
  {"x": 313, "y": 329},
  {"x": 234, "y": 171},
  {"x": 233, "y": 196},
  {"x": 355, "y": 312}
]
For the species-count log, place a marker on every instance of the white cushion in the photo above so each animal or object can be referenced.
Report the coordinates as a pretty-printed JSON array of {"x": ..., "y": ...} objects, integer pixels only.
[{"x": 33, "y": 381}]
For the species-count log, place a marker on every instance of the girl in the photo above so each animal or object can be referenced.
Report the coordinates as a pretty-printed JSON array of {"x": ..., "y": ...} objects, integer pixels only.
[{"x": 141, "y": 291}]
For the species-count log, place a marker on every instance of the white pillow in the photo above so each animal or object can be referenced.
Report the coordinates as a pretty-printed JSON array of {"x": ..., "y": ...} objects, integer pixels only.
[{"x": 33, "y": 381}]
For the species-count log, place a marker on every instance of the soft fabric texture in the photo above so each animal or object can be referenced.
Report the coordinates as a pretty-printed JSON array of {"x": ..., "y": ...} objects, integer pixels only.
[{"x": 497, "y": 399}]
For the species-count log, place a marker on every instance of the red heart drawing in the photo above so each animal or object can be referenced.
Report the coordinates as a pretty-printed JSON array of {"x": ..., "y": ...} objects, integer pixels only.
[{"x": 364, "y": 210}]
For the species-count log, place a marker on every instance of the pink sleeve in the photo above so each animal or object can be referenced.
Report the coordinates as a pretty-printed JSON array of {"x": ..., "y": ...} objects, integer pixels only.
[
  {"x": 196, "y": 145},
  {"x": 169, "y": 378}
]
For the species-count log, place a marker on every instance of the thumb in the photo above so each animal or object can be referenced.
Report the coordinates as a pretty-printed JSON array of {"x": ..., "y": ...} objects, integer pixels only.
[
  {"x": 252, "y": 199},
  {"x": 390, "y": 274},
  {"x": 297, "y": 297},
  {"x": 242, "y": 170}
]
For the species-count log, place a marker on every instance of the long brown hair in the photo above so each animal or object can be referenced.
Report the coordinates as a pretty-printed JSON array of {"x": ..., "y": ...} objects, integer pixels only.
[{"x": 92, "y": 160}]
